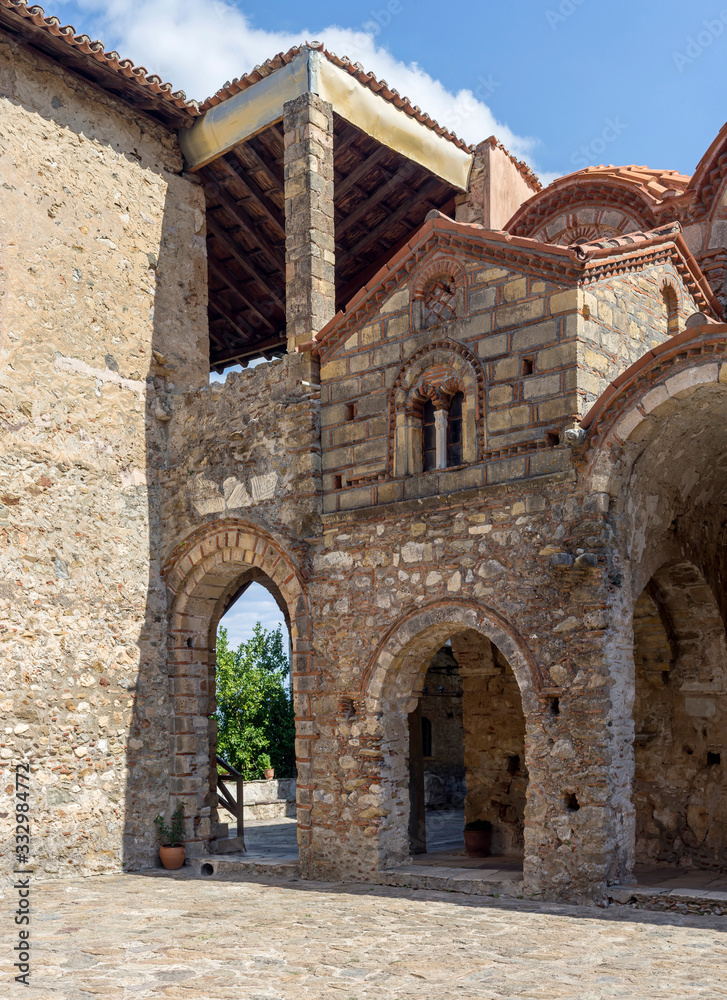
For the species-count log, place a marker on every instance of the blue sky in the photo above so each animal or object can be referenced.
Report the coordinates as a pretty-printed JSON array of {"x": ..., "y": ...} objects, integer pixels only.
[
  {"x": 550, "y": 78},
  {"x": 562, "y": 83},
  {"x": 255, "y": 605}
]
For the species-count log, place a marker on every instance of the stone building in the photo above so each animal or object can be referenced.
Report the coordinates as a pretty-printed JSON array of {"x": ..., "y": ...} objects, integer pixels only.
[{"x": 493, "y": 416}]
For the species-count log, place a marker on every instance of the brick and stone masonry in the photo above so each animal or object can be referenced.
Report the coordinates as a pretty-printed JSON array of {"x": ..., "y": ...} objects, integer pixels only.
[{"x": 564, "y": 533}]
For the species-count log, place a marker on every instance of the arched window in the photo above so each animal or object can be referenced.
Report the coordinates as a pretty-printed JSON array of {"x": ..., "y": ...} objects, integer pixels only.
[
  {"x": 429, "y": 437},
  {"x": 426, "y": 738},
  {"x": 454, "y": 430},
  {"x": 671, "y": 306}
]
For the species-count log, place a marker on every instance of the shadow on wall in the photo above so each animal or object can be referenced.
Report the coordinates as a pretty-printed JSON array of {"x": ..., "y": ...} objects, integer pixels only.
[{"x": 149, "y": 751}]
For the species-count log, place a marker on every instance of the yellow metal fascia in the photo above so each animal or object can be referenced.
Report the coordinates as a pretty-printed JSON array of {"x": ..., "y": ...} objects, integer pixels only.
[
  {"x": 387, "y": 124},
  {"x": 249, "y": 112},
  {"x": 243, "y": 115}
]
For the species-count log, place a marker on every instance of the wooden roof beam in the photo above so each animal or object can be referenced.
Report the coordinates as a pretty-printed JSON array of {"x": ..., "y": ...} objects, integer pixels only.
[
  {"x": 255, "y": 192},
  {"x": 400, "y": 177},
  {"x": 238, "y": 213},
  {"x": 359, "y": 172},
  {"x": 227, "y": 276},
  {"x": 277, "y": 344},
  {"x": 244, "y": 332},
  {"x": 244, "y": 261},
  {"x": 367, "y": 241}
]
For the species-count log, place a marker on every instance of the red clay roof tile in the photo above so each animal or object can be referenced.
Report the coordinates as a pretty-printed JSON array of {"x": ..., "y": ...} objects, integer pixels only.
[{"x": 94, "y": 51}]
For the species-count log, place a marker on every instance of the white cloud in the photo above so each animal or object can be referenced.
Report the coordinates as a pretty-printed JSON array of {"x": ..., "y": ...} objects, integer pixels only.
[{"x": 198, "y": 45}]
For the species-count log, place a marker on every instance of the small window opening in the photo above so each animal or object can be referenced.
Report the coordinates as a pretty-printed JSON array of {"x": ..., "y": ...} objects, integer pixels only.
[
  {"x": 350, "y": 411},
  {"x": 665, "y": 678},
  {"x": 426, "y": 738},
  {"x": 189, "y": 642},
  {"x": 454, "y": 430},
  {"x": 338, "y": 482},
  {"x": 429, "y": 435},
  {"x": 571, "y": 802},
  {"x": 555, "y": 706},
  {"x": 513, "y": 763},
  {"x": 713, "y": 758},
  {"x": 552, "y": 439},
  {"x": 671, "y": 307},
  {"x": 527, "y": 366}
]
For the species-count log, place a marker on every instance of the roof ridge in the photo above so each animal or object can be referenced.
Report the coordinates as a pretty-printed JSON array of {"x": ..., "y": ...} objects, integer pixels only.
[
  {"x": 584, "y": 251},
  {"x": 355, "y": 69}
]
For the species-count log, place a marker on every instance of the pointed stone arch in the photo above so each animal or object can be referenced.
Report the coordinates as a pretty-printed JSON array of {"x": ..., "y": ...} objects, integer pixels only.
[{"x": 202, "y": 575}]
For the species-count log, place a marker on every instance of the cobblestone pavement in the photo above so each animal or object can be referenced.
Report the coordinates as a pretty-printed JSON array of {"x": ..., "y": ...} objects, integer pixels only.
[{"x": 175, "y": 936}]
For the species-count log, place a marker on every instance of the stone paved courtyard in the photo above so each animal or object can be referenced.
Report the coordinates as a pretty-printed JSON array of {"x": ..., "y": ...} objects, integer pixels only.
[{"x": 176, "y": 936}]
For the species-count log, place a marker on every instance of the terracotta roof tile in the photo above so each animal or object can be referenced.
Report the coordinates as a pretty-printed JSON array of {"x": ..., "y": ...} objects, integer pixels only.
[
  {"x": 94, "y": 51},
  {"x": 585, "y": 251},
  {"x": 356, "y": 70},
  {"x": 574, "y": 262}
]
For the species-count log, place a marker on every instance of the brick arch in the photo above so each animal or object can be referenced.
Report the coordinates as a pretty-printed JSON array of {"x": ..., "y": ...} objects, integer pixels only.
[
  {"x": 396, "y": 664},
  {"x": 456, "y": 368},
  {"x": 632, "y": 404},
  {"x": 202, "y": 576},
  {"x": 671, "y": 295},
  {"x": 392, "y": 684},
  {"x": 440, "y": 267}
]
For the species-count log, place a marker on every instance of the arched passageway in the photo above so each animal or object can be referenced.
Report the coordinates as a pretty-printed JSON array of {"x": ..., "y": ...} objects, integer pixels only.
[
  {"x": 661, "y": 453},
  {"x": 207, "y": 573},
  {"x": 496, "y": 681}
]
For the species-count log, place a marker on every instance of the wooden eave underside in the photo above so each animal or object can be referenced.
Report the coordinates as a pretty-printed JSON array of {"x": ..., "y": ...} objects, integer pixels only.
[{"x": 381, "y": 198}]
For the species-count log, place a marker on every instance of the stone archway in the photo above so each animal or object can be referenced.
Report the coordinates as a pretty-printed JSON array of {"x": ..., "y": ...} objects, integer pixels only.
[
  {"x": 391, "y": 688},
  {"x": 202, "y": 575},
  {"x": 658, "y": 447}
]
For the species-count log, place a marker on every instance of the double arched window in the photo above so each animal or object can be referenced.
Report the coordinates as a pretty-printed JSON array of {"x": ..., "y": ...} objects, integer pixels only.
[{"x": 435, "y": 415}]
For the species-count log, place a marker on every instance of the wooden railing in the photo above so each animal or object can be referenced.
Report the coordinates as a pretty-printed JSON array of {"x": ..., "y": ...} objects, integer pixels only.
[{"x": 224, "y": 796}]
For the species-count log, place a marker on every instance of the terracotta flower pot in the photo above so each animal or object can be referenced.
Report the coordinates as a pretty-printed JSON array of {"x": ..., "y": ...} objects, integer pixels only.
[
  {"x": 477, "y": 843},
  {"x": 269, "y": 773},
  {"x": 172, "y": 856}
]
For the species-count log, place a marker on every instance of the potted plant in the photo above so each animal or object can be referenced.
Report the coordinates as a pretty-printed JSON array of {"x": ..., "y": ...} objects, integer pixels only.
[
  {"x": 172, "y": 851},
  {"x": 478, "y": 838},
  {"x": 266, "y": 765}
]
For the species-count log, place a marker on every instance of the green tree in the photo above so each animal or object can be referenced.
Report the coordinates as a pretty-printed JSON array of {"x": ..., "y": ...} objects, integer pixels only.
[{"x": 255, "y": 714}]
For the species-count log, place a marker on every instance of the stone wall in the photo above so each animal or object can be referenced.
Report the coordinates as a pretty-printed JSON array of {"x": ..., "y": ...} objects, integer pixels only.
[
  {"x": 494, "y": 725},
  {"x": 103, "y": 310},
  {"x": 441, "y": 705}
]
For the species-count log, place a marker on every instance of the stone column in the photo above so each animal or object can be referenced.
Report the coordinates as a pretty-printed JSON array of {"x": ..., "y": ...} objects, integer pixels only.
[
  {"x": 440, "y": 427},
  {"x": 309, "y": 218}
]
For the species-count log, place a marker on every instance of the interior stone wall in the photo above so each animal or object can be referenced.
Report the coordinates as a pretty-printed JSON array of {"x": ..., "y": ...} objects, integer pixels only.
[
  {"x": 444, "y": 783},
  {"x": 680, "y": 786},
  {"x": 494, "y": 725}
]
